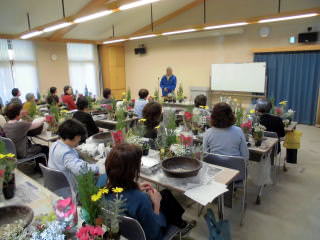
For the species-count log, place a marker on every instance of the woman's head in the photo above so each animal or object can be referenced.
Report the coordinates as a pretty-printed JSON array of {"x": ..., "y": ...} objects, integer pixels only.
[
  {"x": 53, "y": 90},
  {"x": 123, "y": 166},
  {"x": 72, "y": 131},
  {"x": 30, "y": 97},
  {"x": 106, "y": 93},
  {"x": 67, "y": 90},
  {"x": 263, "y": 106},
  {"x": 82, "y": 103},
  {"x": 200, "y": 100},
  {"x": 13, "y": 111},
  {"x": 143, "y": 93},
  {"x": 222, "y": 116},
  {"x": 152, "y": 113}
]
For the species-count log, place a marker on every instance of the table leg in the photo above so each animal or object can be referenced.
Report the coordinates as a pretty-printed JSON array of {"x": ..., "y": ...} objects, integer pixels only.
[
  {"x": 258, "y": 201},
  {"x": 221, "y": 207}
]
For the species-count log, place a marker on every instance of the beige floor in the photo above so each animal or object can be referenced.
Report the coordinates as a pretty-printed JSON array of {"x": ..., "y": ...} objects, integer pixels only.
[{"x": 290, "y": 210}]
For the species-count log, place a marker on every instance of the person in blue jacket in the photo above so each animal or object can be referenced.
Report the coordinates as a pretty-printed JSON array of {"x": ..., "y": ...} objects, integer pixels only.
[
  {"x": 154, "y": 210},
  {"x": 168, "y": 82}
]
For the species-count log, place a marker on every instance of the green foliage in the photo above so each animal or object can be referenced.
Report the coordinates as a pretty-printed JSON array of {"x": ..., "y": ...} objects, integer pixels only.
[
  {"x": 111, "y": 210},
  {"x": 91, "y": 102},
  {"x": 54, "y": 111},
  {"x": 8, "y": 164},
  {"x": 2, "y": 147},
  {"x": 156, "y": 95},
  {"x": 180, "y": 95},
  {"x": 87, "y": 188},
  {"x": 239, "y": 113},
  {"x": 120, "y": 115},
  {"x": 33, "y": 110},
  {"x": 128, "y": 95}
]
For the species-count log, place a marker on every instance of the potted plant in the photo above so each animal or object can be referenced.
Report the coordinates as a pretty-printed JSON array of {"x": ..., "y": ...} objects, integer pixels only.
[
  {"x": 180, "y": 96},
  {"x": 8, "y": 163},
  {"x": 145, "y": 149},
  {"x": 258, "y": 134}
]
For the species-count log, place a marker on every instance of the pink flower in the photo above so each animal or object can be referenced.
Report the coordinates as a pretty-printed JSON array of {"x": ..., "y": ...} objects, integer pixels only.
[
  {"x": 186, "y": 141},
  {"x": 133, "y": 100},
  {"x": 188, "y": 116},
  {"x": 278, "y": 111},
  {"x": 117, "y": 137},
  {"x": 2, "y": 172},
  {"x": 49, "y": 118},
  {"x": 89, "y": 233}
]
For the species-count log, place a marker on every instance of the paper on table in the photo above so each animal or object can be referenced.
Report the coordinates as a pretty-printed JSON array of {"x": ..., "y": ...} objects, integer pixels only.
[
  {"x": 147, "y": 162},
  {"x": 206, "y": 193}
]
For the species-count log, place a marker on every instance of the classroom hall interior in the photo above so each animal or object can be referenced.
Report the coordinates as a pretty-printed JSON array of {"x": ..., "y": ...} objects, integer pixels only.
[{"x": 159, "y": 119}]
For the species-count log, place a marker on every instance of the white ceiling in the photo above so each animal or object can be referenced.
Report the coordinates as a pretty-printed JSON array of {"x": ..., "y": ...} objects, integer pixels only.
[{"x": 14, "y": 21}]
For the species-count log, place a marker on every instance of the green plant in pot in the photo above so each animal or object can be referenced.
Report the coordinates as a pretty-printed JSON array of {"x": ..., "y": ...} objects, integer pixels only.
[
  {"x": 8, "y": 163},
  {"x": 180, "y": 96},
  {"x": 257, "y": 134}
]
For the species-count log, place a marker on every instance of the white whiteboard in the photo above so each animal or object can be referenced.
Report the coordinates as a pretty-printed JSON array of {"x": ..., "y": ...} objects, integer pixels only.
[{"x": 239, "y": 77}]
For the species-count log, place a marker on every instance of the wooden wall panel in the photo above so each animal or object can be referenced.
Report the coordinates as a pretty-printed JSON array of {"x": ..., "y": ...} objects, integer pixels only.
[{"x": 113, "y": 68}]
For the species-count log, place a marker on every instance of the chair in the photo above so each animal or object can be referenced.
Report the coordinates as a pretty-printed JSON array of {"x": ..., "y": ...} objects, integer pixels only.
[
  {"x": 11, "y": 148},
  {"x": 57, "y": 182},
  {"x": 237, "y": 163},
  {"x": 275, "y": 150},
  {"x": 131, "y": 229}
]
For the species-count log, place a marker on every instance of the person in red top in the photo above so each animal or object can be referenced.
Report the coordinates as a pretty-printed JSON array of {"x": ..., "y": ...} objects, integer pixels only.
[{"x": 67, "y": 98}]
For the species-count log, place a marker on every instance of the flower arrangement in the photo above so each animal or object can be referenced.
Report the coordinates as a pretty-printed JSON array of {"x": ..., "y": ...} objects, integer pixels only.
[
  {"x": 246, "y": 127},
  {"x": 52, "y": 123},
  {"x": 117, "y": 137},
  {"x": 258, "y": 131},
  {"x": 8, "y": 163},
  {"x": 186, "y": 141},
  {"x": 120, "y": 117}
]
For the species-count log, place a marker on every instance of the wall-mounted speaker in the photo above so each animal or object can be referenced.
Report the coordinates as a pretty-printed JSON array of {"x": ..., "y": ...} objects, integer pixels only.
[
  {"x": 140, "y": 50},
  {"x": 309, "y": 37}
]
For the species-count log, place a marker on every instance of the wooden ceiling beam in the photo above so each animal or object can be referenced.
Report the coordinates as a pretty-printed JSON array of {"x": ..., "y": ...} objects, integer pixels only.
[{"x": 170, "y": 16}]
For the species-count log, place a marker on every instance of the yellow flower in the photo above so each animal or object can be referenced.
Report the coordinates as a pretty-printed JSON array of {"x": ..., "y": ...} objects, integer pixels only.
[
  {"x": 96, "y": 197},
  {"x": 252, "y": 111},
  {"x": 2, "y": 156},
  {"x": 142, "y": 120},
  {"x": 117, "y": 190},
  {"x": 123, "y": 93},
  {"x": 157, "y": 127},
  {"x": 283, "y": 102},
  {"x": 162, "y": 151},
  {"x": 103, "y": 191},
  {"x": 64, "y": 111},
  {"x": 10, "y": 155}
]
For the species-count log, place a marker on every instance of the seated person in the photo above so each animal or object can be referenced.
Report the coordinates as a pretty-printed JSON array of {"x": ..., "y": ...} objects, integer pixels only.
[
  {"x": 153, "y": 210},
  {"x": 30, "y": 106},
  {"x": 200, "y": 103},
  {"x": 63, "y": 155},
  {"x": 52, "y": 98},
  {"x": 67, "y": 98},
  {"x": 152, "y": 113},
  {"x": 15, "y": 96},
  {"x": 223, "y": 137},
  {"x": 17, "y": 131},
  {"x": 141, "y": 102},
  {"x": 3, "y": 120},
  {"x": 271, "y": 122},
  {"x": 106, "y": 96},
  {"x": 84, "y": 117}
]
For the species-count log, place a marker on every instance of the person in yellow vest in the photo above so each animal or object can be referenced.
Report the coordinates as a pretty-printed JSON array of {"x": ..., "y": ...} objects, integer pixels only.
[
  {"x": 30, "y": 105},
  {"x": 292, "y": 144}
]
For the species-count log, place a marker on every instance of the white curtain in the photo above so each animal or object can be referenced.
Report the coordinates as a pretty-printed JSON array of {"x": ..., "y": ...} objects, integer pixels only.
[
  {"x": 83, "y": 67},
  {"x": 6, "y": 82},
  {"x": 20, "y": 72},
  {"x": 24, "y": 67}
]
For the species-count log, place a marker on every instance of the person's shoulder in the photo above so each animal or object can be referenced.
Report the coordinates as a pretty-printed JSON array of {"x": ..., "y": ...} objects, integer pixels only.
[{"x": 236, "y": 129}]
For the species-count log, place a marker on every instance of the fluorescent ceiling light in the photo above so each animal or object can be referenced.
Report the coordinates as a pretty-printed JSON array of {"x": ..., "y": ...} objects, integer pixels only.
[
  {"x": 181, "y": 31},
  {"x": 136, "y": 4},
  {"x": 114, "y": 41},
  {"x": 226, "y": 25},
  {"x": 287, "y": 18},
  {"x": 144, "y": 36},
  {"x": 56, "y": 27},
  {"x": 31, "y": 34},
  {"x": 93, "y": 16}
]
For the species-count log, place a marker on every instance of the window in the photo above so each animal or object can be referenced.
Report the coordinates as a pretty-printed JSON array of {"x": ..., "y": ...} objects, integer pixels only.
[
  {"x": 83, "y": 67},
  {"x": 17, "y": 68}
]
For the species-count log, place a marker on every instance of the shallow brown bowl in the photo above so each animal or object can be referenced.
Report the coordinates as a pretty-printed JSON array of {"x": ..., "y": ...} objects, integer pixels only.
[
  {"x": 103, "y": 137},
  {"x": 181, "y": 167},
  {"x": 11, "y": 214}
]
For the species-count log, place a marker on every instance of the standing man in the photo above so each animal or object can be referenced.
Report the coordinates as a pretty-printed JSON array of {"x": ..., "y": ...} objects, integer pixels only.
[{"x": 168, "y": 82}]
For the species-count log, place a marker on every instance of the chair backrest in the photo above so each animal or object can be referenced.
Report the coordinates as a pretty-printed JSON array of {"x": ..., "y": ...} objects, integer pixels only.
[
  {"x": 131, "y": 229},
  {"x": 54, "y": 179},
  {"x": 9, "y": 145},
  {"x": 270, "y": 134},
  {"x": 237, "y": 163}
]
